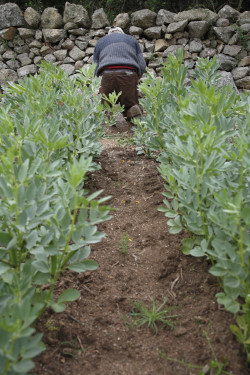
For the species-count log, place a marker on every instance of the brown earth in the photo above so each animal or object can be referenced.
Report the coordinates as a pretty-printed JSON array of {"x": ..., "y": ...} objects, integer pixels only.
[{"x": 138, "y": 261}]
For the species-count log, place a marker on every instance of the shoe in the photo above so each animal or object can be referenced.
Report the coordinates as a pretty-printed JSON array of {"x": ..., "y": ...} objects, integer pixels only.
[{"x": 134, "y": 111}]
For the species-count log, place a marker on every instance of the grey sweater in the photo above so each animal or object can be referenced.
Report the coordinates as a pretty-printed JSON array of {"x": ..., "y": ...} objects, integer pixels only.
[{"x": 119, "y": 49}]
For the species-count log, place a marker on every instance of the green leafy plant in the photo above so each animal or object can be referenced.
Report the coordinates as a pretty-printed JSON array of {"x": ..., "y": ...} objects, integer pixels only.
[
  {"x": 201, "y": 138},
  {"x": 123, "y": 247},
  {"x": 49, "y": 135},
  {"x": 153, "y": 316}
]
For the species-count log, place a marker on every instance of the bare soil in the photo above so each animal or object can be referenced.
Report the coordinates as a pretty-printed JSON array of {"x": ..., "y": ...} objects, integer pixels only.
[{"x": 138, "y": 261}]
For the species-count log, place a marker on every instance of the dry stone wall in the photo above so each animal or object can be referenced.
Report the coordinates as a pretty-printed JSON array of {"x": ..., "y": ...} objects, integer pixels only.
[{"x": 69, "y": 39}]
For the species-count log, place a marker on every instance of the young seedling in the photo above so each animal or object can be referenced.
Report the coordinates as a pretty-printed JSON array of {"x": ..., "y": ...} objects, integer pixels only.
[{"x": 152, "y": 317}]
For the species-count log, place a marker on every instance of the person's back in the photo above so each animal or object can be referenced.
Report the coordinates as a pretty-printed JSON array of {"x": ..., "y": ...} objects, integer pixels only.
[{"x": 119, "y": 49}]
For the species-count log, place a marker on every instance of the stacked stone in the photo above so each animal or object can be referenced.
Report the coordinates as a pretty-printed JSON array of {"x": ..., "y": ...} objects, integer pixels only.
[{"x": 68, "y": 40}]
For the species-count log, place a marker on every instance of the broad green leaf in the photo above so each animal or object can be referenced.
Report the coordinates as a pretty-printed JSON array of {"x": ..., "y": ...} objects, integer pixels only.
[
  {"x": 23, "y": 366},
  {"x": 22, "y": 173},
  {"x": 229, "y": 304},
  {"x": 69, "y": 295},
  {"x": 58, "y": 307},
  {"x": 5, "y": 238},
  {"x": 197, "y": 252}
]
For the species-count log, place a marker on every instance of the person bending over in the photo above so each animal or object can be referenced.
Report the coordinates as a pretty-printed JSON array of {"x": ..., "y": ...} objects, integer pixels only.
[{"x": 120, "y": 62}]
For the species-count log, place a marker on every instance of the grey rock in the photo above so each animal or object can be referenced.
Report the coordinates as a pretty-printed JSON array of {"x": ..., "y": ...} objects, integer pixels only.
[
  {"x": 22, "y": 49},
  {"x": 148, "y": 56},
  {"x": 244, "y": 17},
  {"x": 68, "y": 60},
  {"x": 9, "y": 54},
  {"x": 234, "y": 39},
  {"x": 24, "y": 59},
  {"x": 149, "y": 47},
  {"x": 198, "y": 14},
  {"x": 229, "y": 13},
  {"x": 51, "y": 19},
  {"x": 232, "y": 50},
  {"x": 224, "y": 33},
  {"x": 153, "y": 32},
  {"x": 68, "y": 68},
  {"x": 26, "y": 70},
  {"x": 144, "y": 18},
  {"x": 68, "y": 44},
  {"x": 37, "y": 59},
  {"x": 61, "y": 54},
  {"x": 197, "y": 29},
  {"x": 208, "y": 52},
  {"x": 35, "y": 44},
  {"x": 195, "y": 46},
  {"x": 99, "y": 19},
  {"x": 164, "y": 17},
  {"x": 50, "y": 58},
  {"x": 245, "y": 61},
  {"x": 8, "y": 75},
  {"x": 226, "y": 62},
  {"x": 134, "y": 30},
  {"x": 239, "y": 73},
  {"x": 8, "y": 34},
  {"x": 70, "y": 26},
  {"x": 93, "y": 42},
  {"x": 81, "y": 45},
  {"x": 226, "y": 79},
  {"x": 96, "y": 33},
  {"x": 53, "y": 35},
  {"x": 90, "y": 51},
  {"x": 76, "y": 54},
  {"x": 160, "y": 45},
  {"x": 78, "y": 64},
  {"x": 189, "y": 63},
  {"x": 10, "y": 15},
  {"x": 32, "y": 17},
  {"x": 182, "y": 41},
  {"x": 77, "y": 14},
  {"x": 177, "y": 26},
  {"x": 171, "y": 50},
  {"x": 35, "y": 51},
  {"x": 122, "y": 20},
  {"x": 13, "y": 64},
  {"x": 39, "y": 35},
  {"x": 26, "y": 33},
  {"x": 3, "y": 65},
  {"x": 45, "y": 50},
  {"x": 243, "y": 83},
  {"x": 155, "y": 63},
  {"x": 245, "y": 28},
  {"x": 78, "y": 32},
  {"x": 222, "y": 22}
]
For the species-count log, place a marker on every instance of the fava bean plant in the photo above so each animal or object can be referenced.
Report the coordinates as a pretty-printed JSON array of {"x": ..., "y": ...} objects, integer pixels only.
[
  {"x": 50, "y": 127},
  {"x": 199, "y": 131}
]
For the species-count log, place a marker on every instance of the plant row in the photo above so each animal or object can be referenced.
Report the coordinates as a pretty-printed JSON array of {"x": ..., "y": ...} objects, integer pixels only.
[
  {"x": 50, "y": 127},
  {"x": 200, "y": 134}
]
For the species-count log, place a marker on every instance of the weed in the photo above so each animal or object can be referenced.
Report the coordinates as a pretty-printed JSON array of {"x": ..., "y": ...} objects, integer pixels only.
[
  {"x": 156, "y": 315},
  {"x": 123, "y": 246},
  {"x": 214, "y": 367},
  {"x": 242, "y": 37},
  {"x": 50, "y": 327}
]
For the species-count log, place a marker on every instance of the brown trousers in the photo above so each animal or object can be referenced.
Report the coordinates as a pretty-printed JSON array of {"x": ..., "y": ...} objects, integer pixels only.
[{"x": 124, "y": 81}]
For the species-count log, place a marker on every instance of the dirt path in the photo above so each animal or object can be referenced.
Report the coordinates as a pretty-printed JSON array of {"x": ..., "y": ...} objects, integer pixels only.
[{"x": 138, "y": 260}]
